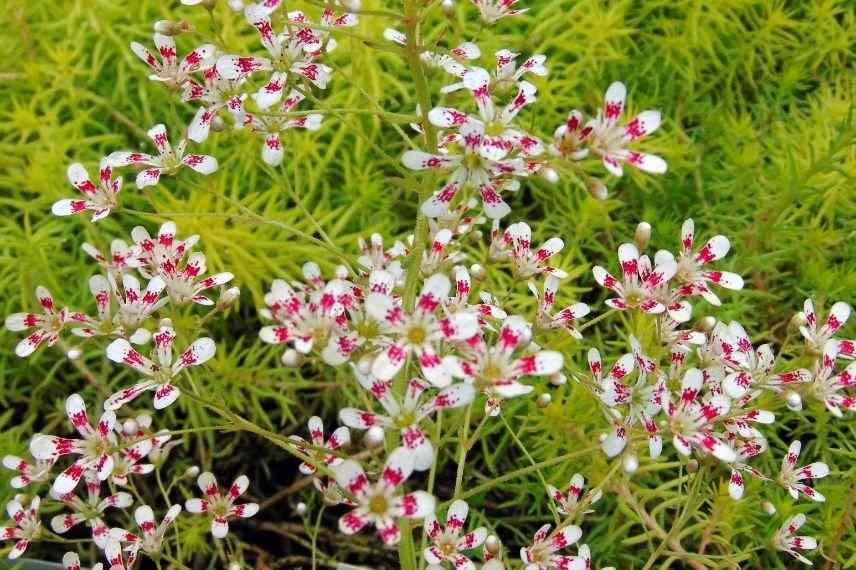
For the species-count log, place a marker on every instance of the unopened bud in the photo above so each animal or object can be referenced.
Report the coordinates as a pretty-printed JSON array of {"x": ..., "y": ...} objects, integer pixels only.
[
  {"x": 544, "y": 400},
  {"x": 228, "y": 298},
  {"x": 692, "y": 466},
  {"x": 218, "y": 124},
  {"x": 492, "y": 544},
  {"x": 476, "y": 236},
  {"x": 597, "y": 189},
  {"x": 353, "y": 5},
  {"x": 550, "y": 175},
  {"x": 629, "y": 463},
  {"x": 165, "y": 322},
  {"x": 170, "y": 28},
  {"x": 74, "y": 353},
  {"x": 130, "y": 426},
  {"x": 374, "y": 437},
  {"x": 642, "y": 235},
  {"x": 191, "y": 472},
  {"x": 477, "y": 271},
  {"x": 364, "y": 365},
  {"x": 300, "y": 509},
  {"x": 234, "y": 566},
  {"x": 291, "y": 358},
  {"x": 768, "y": 507},
  {"x": 798, "y": 319},
  {"x": 448, "y": 7},
  {"x": 341, "y": 272},
  {"x": 558, "y": 379},
  {"x": 706, "y": 324},
  {"x": 793, "y": 401},
  {"x": 601, "y": 438}
]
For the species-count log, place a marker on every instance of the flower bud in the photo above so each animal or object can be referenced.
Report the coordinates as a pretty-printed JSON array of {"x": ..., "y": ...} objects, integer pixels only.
[
  {"x": 217, "y": 124},
  {"x": 341, "y": 272},
  {"x": 374, "y": 437},
  {"x": 768, "y": 507},
  {"x": 74, "y": 353},
  {"x": 165, "y": 323},
  {"x": 300, "y": 509},
  {"x": 692, "y": 466},
  {"x": 798, "y": 319},
  {"x": 227, "y": 298},
  {"x": 448, "y": 7},
  {"x": 549, "y": 174},
  {"x": 353, "y": 5},
  {"x": 629, "y": 463},
  {"x": 170, "y": 28},
  {"x": 364, "y": 365},
  {"x": 476, "y": 236},
  {"x": 191, "y": 472},
  {"x": 601, "y": 438},
  {"x": 558, "y": 379},
  {"x": 492, "y": 544},
  {"x": 477, "y": 271},
  {"x": 291, "y": 358},
  {"x": 642, "y": 235},
  {"x": 706, "y": 324},
  {"x": 544, "y": 400},
  {"x": 597, "y": 189},
  {"x": 234, "y": 566},
  {"x": 794, "y": 401},
  {"x": 130, "y": 426}
]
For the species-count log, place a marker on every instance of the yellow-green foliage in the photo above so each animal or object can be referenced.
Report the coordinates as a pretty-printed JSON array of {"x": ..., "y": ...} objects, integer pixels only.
[{"x": 757, "y": 99}]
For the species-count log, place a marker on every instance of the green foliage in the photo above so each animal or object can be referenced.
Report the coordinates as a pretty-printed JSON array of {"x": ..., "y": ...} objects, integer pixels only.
[{"x": 759, "y": 131}]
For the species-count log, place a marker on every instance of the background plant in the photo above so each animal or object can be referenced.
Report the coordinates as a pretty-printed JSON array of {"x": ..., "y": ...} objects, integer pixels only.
[{"x": 756, "y": 99}]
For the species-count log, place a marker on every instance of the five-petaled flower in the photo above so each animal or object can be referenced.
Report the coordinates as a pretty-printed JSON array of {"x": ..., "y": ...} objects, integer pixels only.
[
  {"x": 609, "y": 139},
  {"x": 382, "y": 503},
  {"x": 98, "y": 199},
  {"x": 565, "y": 318},
  {"x": 491, "y": 11},
  {"x": 95, "y": 448},
  {"x": 568, "y": 501},
  {"x": 161, "y": 372},
  {"x": 318, "y": 450},
  {"x": 817, "y": 335},
  {"x": 48, "y": 325},
  {"x": 89, "y": 510},
  {"x": 221, "y": 507},
  {"x": 169, "y": 70},
  {"x": 791, "y": 477},
  {"x": 168, "y": 161},
  {"x": 36, "y": 471},
  {"x": 691, "y": 418},
  {"x": 785, "y": 540},
  {"x": 448, "y": 542},
  {"x": 640, "y": 283},
  {"x": 152, "y": 533},
  {"x": 406, "y": 415},
  {"x": 419, "y": 332},
  {"x": 691, "y": 271},
  {"x": 482, "y": 151},
  {"x": 497, "y": 370},
  {"x": 542, "y": 553},
  {"x": 27, "y": 527}
]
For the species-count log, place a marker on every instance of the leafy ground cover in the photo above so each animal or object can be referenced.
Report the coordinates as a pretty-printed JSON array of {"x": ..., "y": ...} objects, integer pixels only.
[{"x": 758, "y": 131}]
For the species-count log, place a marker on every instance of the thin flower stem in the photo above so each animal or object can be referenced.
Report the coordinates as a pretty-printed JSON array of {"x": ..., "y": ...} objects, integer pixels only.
[
  {"x": 487, "y": 486},
  {"x": 462, "y": 450},
  {"x": 532, "y": 461},
  {"x": 423, "y": 96},
  {"x": 596, "y": 320},
  {"x": 315, "y": 535}
]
